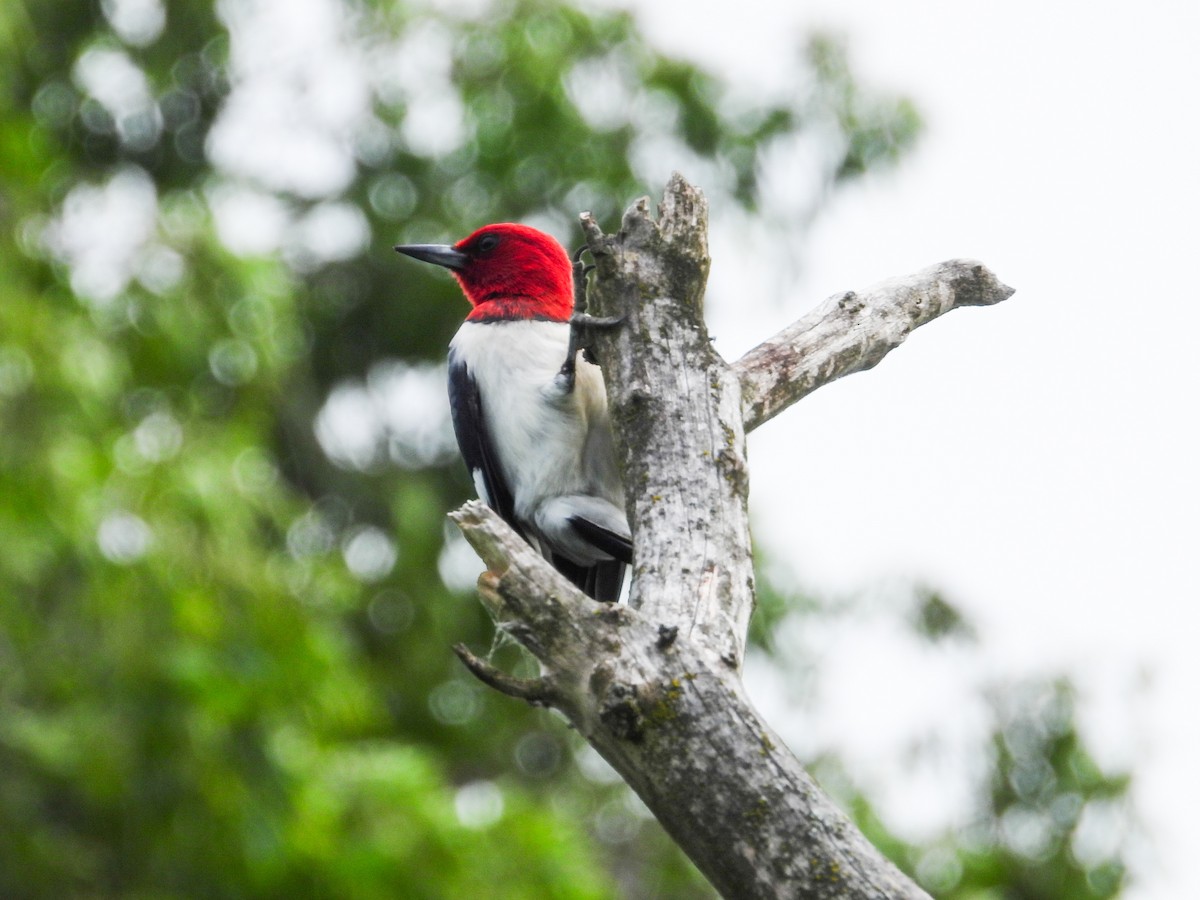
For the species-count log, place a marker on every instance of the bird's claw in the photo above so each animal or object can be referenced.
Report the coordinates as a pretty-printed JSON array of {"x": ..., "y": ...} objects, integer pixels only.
[
  {"x": 579, "y": 274},
  {"x": 565, "y": 379},
  {"x": 580, "y": 321}
]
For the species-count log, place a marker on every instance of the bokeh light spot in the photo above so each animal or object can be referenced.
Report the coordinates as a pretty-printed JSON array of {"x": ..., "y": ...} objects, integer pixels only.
[
  {"x": 479, "y": 804},
  {"x": 369, "y": 553},
  {"x": 123, "y": 538}
]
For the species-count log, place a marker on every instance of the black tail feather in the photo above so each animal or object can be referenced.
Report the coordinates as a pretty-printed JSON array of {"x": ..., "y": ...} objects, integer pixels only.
[
  {"x": 608, "y": 577},
  {"x": 601, "y": 582},
  {"x": 616, "y": 545}
]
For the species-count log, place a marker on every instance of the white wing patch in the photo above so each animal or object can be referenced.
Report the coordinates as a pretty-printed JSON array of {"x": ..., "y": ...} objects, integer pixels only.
[{"x": 480, "y": 486}]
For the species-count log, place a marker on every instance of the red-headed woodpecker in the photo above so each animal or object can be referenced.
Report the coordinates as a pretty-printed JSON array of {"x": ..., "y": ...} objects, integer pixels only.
[{"x": 535, "y": 435}]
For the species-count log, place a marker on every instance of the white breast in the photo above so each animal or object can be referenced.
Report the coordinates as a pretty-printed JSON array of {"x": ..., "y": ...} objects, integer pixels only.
[{"x": 550, "y": 443}]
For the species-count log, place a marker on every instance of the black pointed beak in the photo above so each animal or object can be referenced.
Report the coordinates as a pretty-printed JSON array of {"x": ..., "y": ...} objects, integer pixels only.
[{"x": 438, "y": 254}]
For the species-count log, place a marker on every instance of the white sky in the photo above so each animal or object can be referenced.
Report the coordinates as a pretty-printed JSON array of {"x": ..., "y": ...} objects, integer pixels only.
[{"x": 1036, "y": 460}]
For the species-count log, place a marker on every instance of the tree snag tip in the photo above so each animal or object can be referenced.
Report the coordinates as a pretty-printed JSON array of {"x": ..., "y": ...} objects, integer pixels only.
[
  {"x": 684, "y": 211},
  {"x": 677, "y": 183},
  {"x": 637, "y": 224},
  {"x": 974, "y": 283},
  {"x": 479, "y": 525},
  {"x": 470, "y": 513}
]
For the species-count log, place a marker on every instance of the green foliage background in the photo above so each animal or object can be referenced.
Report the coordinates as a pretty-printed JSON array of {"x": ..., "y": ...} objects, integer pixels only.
[{"x": 198, "y": 695}]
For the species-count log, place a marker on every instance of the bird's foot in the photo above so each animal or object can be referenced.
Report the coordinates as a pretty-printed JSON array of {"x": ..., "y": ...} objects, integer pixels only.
[
  {"x": 581, "y": 321},
  {"x": 565, "y": 379},
  {"x": 579, "y": 274}
]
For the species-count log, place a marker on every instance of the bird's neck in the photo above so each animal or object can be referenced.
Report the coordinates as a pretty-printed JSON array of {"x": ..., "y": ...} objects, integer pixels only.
[{"x": 509, "y": 307}]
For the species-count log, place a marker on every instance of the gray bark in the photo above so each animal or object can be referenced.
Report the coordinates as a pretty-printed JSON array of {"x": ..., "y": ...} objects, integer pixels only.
[{"x": 654, "y": 686}]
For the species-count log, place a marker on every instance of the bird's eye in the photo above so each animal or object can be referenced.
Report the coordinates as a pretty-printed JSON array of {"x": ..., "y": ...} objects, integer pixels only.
[{"x": 487, "y": 243}]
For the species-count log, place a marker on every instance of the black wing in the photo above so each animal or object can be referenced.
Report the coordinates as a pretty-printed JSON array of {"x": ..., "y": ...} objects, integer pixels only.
[{"x": 475, "y": 443}]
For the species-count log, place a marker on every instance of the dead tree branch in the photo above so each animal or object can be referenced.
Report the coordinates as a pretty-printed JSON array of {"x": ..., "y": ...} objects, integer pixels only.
[
  {"x": 852, "y": 332},
  {"x": 654, "y": 686}
]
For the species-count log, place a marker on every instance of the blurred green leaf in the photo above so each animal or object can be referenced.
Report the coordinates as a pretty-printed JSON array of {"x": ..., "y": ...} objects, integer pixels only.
[{"x": 203, "y": 690}]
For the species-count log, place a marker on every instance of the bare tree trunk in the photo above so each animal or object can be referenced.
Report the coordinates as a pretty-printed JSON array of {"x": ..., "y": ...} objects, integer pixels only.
[{"x": 655, "y": 686}]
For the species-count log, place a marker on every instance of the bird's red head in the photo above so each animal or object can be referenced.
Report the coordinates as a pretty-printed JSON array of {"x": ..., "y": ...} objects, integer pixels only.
[{"x": 507, "y": 271}]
